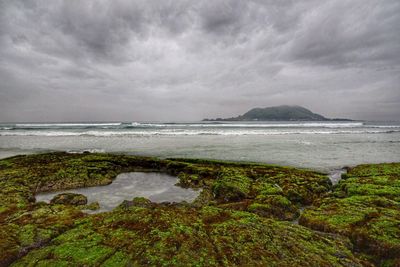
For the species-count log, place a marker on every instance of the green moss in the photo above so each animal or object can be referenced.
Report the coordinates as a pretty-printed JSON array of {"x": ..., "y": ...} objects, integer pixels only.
[
  {"x": 118, "y": 259},
  {"x": 372, "y": 189},
  {"x": 189, "y": 179},
  {"x": 275, "y": 206},
  {"x": 91, "y": 206},
  {"x": 265, "y": 189},
  {"x": 391, "y": 263},
  {"x": 27, "y": 235},
  {"x": 69, "y": 199},
  {"x": 52, "y": 262},
  {"x": 366, "y": 170},
  {"x": 365, "y": 207},
  {"x": 182, "y": 235},
  {"x": 234, "y": 222},
  {"x": 231, "y": 185},
  {"x": 82, "y": 253}
]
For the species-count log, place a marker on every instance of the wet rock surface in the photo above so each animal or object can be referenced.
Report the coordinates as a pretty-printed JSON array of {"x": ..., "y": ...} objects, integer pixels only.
[
  {"x": 241, "y": 217},
  {"x": 365, "y": 207},
  {"x": 69, "y": 199}
]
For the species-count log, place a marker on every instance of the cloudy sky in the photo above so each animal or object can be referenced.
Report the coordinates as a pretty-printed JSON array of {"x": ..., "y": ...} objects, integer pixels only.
[{"x": 164, "y": 60}]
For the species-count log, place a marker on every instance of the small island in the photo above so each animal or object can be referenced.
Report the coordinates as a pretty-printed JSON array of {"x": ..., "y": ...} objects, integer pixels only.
[{"x": 279, "y": 113}]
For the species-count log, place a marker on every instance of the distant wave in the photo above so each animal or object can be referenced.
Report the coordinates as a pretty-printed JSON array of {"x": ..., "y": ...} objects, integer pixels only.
[
  {"x": 254, "y": 125},
  {"x": 134, "y": 125},
  {"x": 382, "y": 126},
  {"x": 66, "y": 124},
  {"x": 200, "y": 128},
  {"x": 179, "y": 132},
  {"x": 44, "y": 126}
]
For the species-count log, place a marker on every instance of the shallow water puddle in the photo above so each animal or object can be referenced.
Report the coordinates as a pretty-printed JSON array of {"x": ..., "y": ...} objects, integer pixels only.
[
  {"x": 158, "y": 187},
  {"x": 336, "y": 175}
]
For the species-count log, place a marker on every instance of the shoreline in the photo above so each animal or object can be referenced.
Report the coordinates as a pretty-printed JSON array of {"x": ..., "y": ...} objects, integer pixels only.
[{"x": 328, "y": 170}]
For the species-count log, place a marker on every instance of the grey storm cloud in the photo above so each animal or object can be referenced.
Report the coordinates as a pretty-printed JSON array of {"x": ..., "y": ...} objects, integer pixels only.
[{"x": 186, "y": 60}]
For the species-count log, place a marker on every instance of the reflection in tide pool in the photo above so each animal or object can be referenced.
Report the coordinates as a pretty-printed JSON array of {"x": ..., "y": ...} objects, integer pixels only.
[{"x": 158, "y": 187}]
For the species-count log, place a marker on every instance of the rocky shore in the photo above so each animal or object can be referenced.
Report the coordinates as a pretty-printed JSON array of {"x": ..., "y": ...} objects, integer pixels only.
[{"x": 245, "y": 215}]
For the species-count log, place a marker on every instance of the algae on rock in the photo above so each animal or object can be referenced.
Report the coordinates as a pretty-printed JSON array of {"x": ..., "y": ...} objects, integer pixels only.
[
  {"x": 365, "y": 206},
  {"x": 240, "y": 217},
  {"x": 69, "y": 199}
]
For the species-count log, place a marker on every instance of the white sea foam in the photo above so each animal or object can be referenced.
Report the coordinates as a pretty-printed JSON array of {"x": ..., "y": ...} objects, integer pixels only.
[
  {"x": 196, "y": 125},
  {"x": 210, "y": 125},
  {"x": 254, "y": 125},
  {"x": 282, "y": 125},
  {"x": 43, "y": 125},
  {"x": 91, "y": 150},
  {"x": 177, "y": 132},
  {"x": 383, "y": 126},
  {"x": 179, "y": 129}
]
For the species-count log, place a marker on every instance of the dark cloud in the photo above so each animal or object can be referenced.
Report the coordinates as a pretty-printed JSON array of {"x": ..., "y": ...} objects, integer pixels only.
[
  {"x": 343, "y": 33},
  {"x": 185, "y": 60}
]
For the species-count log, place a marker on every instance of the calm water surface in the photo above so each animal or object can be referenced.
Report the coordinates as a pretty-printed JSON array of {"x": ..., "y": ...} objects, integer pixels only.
[{"x": 157, "y": 187}]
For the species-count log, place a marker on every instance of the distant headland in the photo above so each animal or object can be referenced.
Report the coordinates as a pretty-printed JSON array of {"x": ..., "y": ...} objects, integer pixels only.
[{"x": 279, "y": 113}]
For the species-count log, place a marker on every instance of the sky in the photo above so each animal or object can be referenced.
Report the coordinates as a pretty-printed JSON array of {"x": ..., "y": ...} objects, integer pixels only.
[{"x": 172, "y": 60}]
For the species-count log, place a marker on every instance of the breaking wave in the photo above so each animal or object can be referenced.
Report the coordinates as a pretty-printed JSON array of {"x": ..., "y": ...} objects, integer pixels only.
[
  {"x": 122, "y": 125},
  {"x": 187, "y": 132},
  {"x": 201, "y": 128}
]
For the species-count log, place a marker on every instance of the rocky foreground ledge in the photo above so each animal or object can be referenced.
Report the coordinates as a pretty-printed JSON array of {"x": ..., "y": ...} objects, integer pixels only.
[{"x": 246, "y": 215}]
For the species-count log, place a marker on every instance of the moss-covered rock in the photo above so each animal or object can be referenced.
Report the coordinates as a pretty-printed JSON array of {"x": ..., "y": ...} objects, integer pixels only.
[
  {"x": 235, "y": 221},
  {"x": 92, "y": 206},
  {"x": 180, "y": 235},
  {"x": 365, "y": 207},
  {"x": 29, "y": 229},
  {"x": 275, "y": 206},
  {"x": 231, "y": 185},
  {"x": 69, "y": 199},
  {"x": 136, "y": 202}
]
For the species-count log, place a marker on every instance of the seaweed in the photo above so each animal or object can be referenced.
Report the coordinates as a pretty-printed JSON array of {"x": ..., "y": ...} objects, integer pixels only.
[
  {"x": 364, "y": 207},
  {"x": 242, "y": 216}
]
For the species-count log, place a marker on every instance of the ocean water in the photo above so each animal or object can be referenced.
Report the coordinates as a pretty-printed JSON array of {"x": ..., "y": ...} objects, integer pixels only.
[{"x": 323, "y": 146}]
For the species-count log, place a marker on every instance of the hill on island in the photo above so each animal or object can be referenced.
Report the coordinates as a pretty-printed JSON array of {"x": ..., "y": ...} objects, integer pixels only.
[{"x": 277, "y": 113}]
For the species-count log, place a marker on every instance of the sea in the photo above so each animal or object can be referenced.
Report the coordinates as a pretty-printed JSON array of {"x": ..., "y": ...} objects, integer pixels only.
[{"x": 322, "y": 146}]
